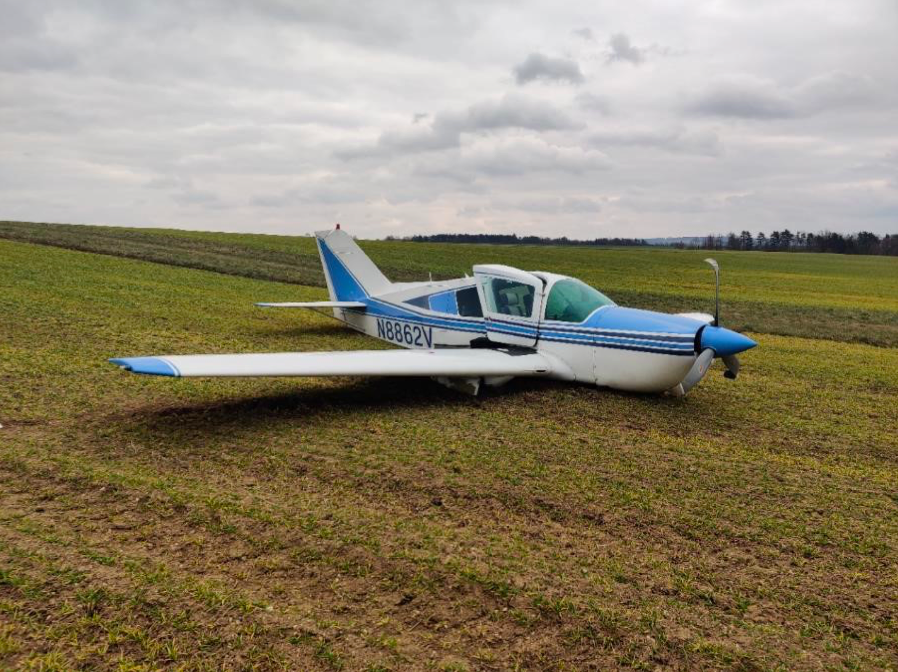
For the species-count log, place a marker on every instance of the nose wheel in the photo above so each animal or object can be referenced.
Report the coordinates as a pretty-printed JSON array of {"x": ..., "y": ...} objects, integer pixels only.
[{"x": 732, "y": 364}]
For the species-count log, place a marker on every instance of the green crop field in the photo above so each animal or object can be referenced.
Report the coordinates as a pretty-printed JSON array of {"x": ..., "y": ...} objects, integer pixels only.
[{"x": 380, "y": 524}]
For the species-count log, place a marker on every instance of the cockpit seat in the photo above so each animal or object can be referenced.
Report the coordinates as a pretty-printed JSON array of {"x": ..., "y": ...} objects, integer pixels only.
[{"x": 512, "y": 303}]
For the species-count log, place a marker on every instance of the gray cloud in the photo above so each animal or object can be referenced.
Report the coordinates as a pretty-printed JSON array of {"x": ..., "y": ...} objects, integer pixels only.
[
  {"x": 835, "y": 89},
  {"x": 510, "y": 111},
  {"x": 241, "y": 114},
  {"x": 677, "y": 139},
  {"x": 546, "y": 68},
  {"x": 593, "y": 102},
  {"x": 622, "y": 50},
  {"x": 514, "y": 111},
  {"x": 753, "y": 98},
  {"x": 745, "y": 97},
  {"x": 19, "y": 55},
  {"x": 640, "y": 201},
  {"x": 197, "y": 197},
  {"x": 333, "y": 190},
  {"x": 569, "y": 205},
  {"x": 528, "y": 155}
]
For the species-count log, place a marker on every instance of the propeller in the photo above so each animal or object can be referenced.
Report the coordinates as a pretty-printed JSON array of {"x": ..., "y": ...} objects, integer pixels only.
[
  {"x": 730, "y": 361},
  {"x": 696, "y": 373},
  {"x": 711, "y": 342}
]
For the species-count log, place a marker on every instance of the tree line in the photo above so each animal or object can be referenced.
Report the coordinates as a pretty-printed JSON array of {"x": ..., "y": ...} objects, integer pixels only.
[
  {"x": 778, "y": 241},
  {"x": 514, "y": 239},
  {"x": 786, "y": 241}
]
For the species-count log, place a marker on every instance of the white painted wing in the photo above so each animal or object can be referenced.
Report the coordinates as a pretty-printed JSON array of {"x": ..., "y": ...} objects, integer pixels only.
[
  {"x": 461, "y": 362},
  {"x": 314, "y": 304}
]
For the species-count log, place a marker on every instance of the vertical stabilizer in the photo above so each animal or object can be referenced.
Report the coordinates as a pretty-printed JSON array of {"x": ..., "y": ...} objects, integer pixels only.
[{"x": 351, "y": 275}]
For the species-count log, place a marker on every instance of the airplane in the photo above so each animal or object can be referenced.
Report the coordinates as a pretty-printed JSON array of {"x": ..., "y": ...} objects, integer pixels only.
[{"x": 499, "y": 324}]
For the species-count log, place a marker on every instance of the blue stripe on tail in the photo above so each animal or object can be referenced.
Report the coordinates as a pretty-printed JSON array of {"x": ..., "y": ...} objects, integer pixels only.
[{"x": 346, "y": 287}]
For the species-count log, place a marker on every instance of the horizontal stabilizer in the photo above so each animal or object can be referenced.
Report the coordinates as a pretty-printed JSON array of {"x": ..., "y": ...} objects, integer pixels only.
[
  {"x": 315, "y": 304},
  {"x": 701, "y": 317},
  {"x": 450, "y": 362}
]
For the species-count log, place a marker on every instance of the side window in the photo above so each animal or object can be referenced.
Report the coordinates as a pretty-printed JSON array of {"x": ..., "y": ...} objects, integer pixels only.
[
  {"x": 509, "y": 297},
  {"x": 464, "y": 302},
  {"x": 444, "y": 303},
  {"x": 419, "y": 301},
  {"x": 468, "y": 302}
]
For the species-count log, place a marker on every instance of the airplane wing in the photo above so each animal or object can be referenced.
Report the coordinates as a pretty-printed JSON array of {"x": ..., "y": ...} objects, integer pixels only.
[
  {"x": 450, "y": 362},
  {"x": 315, "y": 304}
]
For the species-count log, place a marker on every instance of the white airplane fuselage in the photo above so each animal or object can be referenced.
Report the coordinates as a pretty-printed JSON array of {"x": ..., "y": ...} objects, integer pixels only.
[
  {"x": 622, "y": 348},
  {"x": 581, "y": 359}
]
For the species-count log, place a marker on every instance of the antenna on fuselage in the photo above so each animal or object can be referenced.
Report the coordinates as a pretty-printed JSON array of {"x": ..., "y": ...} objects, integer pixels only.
[{"x": 716, "y": 268}]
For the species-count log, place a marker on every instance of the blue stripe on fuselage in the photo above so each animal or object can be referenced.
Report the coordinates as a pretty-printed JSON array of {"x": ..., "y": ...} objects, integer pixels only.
[
  {"x": 638, "y": 336},
  {"x": 580, "y": 335},
  {"x": 642, "y": 342},
  {"x": 640, "y": 322},
  {"x": 381, "y": 308},
  {"x": 658, "y": 350},
  {"x": 617, "y": 333}
]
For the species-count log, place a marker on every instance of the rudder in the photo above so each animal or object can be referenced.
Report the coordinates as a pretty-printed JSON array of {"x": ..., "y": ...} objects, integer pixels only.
[{"x": 350, "y": 274}]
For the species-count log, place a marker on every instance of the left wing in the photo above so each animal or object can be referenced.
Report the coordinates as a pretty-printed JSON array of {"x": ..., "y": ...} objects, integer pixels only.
[{"x": 451, "y": 362}]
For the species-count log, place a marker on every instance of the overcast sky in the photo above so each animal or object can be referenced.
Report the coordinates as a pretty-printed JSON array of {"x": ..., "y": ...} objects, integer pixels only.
[{"x": 555, "y": 118}]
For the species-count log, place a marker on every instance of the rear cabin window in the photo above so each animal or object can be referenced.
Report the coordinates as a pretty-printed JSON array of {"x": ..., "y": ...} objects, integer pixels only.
[
  {"x": 509, "y": 297},
  {"x": 573, "y": 301},
  {"x": 464, "y": 302},
  {"x": 468, "y": 302},
  {"x": 419, "y": 301},
  {"x": 444, "y": 302}
]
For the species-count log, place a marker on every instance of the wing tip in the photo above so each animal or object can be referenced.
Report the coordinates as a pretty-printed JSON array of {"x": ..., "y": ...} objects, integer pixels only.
[{"x": 150, "y": 366}]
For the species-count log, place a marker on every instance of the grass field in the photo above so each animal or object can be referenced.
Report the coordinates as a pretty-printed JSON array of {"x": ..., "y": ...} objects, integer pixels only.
[
  {"x": 378, "y": 524},
  {"x": 850, "y": 299}
]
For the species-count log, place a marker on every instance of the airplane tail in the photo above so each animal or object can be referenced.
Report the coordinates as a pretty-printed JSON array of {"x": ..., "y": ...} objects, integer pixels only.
[{"x": 350, "y": 274}]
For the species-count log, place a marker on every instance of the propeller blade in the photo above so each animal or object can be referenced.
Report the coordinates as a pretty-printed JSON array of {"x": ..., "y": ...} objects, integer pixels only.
[
  {"x": 698, "y": 370},
  {"x": 713, "y": 264},
  {"x": 732, "y": 364}
]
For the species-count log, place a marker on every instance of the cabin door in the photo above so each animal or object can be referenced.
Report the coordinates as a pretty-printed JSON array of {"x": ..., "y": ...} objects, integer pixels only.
[{"x": 512, "y": 304}]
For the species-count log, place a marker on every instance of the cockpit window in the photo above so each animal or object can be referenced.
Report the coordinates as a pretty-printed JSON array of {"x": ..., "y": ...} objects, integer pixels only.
[{"x": 573, "y": 301}]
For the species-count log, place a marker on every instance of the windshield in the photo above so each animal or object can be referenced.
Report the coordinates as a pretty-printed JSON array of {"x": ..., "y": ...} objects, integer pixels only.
[{"x": 573, "y": 301}]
